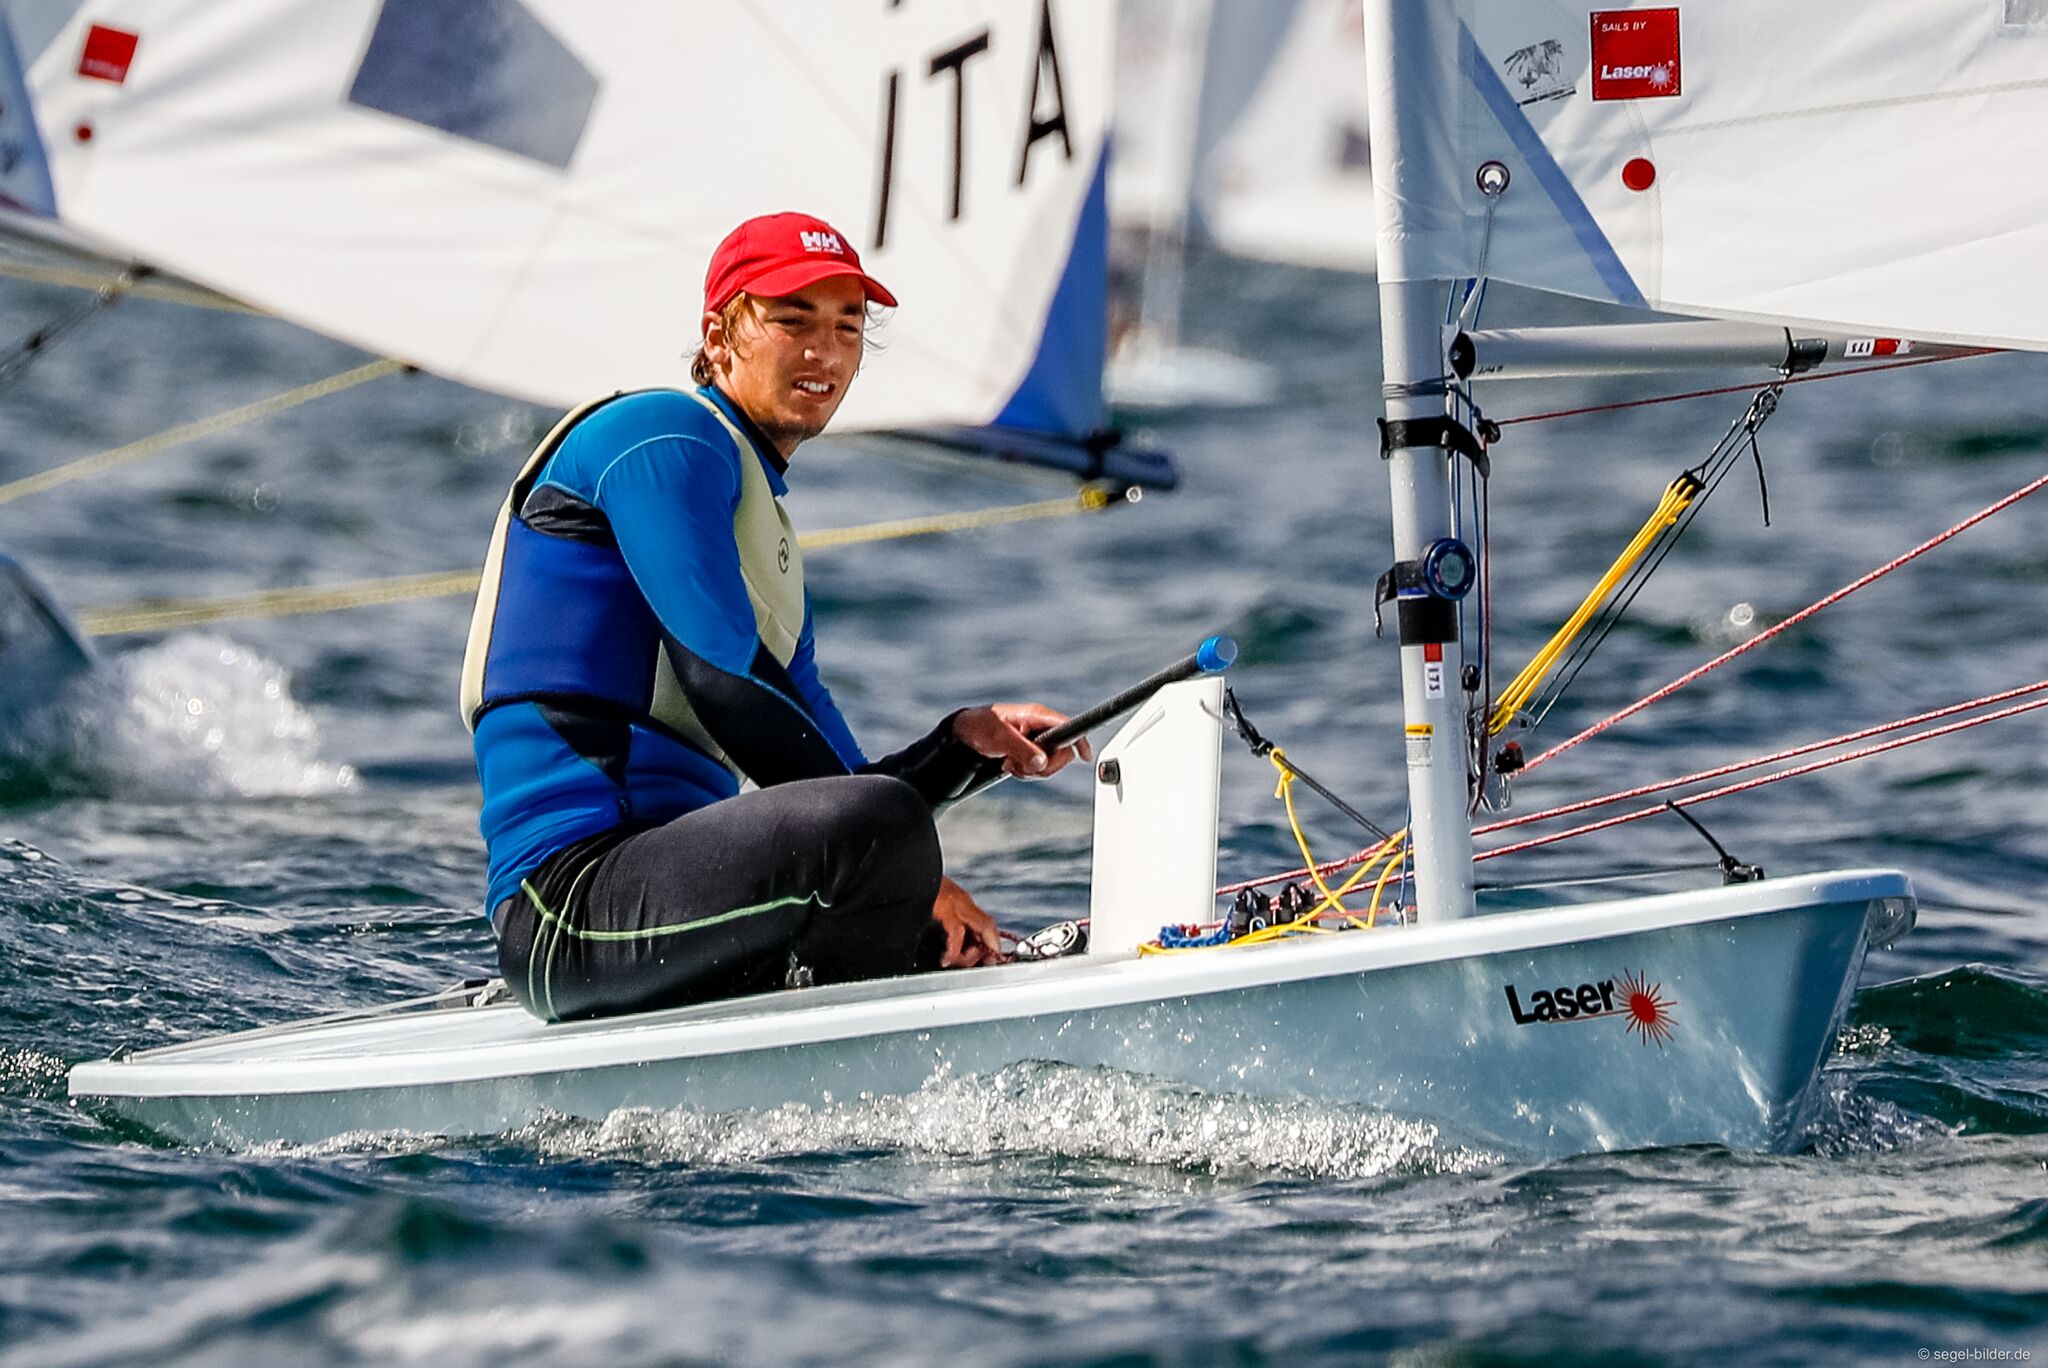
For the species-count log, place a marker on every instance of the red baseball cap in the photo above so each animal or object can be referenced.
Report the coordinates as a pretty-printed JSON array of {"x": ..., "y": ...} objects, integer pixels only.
[{"x": 779, "y": 254}]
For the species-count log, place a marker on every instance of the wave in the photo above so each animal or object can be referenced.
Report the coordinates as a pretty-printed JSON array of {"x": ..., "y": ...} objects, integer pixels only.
[
  {"x": 1038, "y": 1110},
  {"x": 1960, "y": 1051},
  {"x": 191, "y": 715},
  {"x": 1972, "y": 1012}
]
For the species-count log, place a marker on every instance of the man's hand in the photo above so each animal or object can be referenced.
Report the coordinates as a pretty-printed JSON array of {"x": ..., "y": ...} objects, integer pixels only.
[
  {"x": 1003, "y": 732},
  {"x": 970, "y": 932}
]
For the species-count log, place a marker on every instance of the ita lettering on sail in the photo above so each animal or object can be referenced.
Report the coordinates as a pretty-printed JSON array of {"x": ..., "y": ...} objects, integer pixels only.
[{"x": 1042, "y": 114}]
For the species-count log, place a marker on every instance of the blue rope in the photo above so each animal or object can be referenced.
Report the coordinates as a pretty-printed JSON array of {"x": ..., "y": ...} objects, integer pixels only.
[{"x": 1178, "y": 938}]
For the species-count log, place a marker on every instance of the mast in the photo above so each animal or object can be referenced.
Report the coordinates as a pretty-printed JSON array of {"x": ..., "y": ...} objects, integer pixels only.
[
  {"x": 1166, "y": 231},
  {"x": 1410, "y": 50}
]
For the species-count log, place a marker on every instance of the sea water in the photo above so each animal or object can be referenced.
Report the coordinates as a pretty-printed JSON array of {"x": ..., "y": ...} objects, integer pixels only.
[{"x": 251, "y": 821}]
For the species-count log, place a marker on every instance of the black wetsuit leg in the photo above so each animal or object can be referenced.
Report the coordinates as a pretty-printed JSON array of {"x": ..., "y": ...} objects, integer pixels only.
[{"x": 836, "y": 875}]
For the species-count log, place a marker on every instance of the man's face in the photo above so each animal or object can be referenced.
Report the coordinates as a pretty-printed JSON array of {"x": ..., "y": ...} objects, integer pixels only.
[{"x": 791, "y": 358}]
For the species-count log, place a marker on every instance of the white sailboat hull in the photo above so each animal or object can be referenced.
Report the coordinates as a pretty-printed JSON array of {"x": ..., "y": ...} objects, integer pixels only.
[
  {"x": 1151, "y": 376},
  {"x": 1751, "y": 984}
]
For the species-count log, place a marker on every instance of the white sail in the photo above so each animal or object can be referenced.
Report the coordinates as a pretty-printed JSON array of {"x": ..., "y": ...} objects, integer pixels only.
[
  {"x": 523, "y": 196},
  {"x": 1292, "y": 180},
  {"x": 1187, "y": 72},
  {"x": 1156, "y": 74},
  {"x": 1842, "y": 164},
  {"x": 1243, "y": 123}
]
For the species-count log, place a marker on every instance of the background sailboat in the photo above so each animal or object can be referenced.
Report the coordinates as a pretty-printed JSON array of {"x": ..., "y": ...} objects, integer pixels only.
[
  {"x": 1165, "y": 128},
  {"x": 1291, "y": 179},
  {"x": 1247, "y": 123},
  {"x": 1241, "y": 130},
  {"x": 520, "y": 197}
]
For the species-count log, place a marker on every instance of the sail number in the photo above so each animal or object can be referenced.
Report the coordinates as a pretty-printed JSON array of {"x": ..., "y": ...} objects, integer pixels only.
[{"x": 1044, "y": 106}]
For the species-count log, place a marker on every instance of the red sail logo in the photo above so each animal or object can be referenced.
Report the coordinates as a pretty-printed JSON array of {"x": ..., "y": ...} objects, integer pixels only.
[
  {"x": 1635, "y": 54},
  {"x": 108, "y": 53}
]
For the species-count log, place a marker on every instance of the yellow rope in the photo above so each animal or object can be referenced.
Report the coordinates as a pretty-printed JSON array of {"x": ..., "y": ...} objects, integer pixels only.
[
  {"x": 157, "y": 615},
  {"x": 1092, "y": 498},
  {"x": 1391, "y": 851},
  {"x": 74, "y": 278},
  {"x": 188, "y": 432},
  {"x": 1284, "y": 791},
  {"x": 1372, "y": 915},
  {"x": 1678, "y": 496}
]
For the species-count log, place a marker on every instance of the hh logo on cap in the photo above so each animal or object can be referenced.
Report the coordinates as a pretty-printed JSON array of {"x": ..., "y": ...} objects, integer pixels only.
[{"x": 823, "y": 242}]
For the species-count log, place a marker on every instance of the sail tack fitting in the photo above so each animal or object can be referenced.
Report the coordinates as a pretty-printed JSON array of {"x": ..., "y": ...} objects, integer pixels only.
[{"x": 1492, "y": 178}]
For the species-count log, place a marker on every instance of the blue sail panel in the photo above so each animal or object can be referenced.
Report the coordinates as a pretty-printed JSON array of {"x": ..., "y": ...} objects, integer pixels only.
[
  {"x": 1061, "y": 393},
  {"x": 1057, "y": 418},
  {"x": 24, "y": 167}
]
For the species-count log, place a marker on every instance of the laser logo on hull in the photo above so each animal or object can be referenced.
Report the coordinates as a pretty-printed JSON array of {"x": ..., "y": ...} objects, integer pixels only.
[{"x": 1646, "y": 1013}]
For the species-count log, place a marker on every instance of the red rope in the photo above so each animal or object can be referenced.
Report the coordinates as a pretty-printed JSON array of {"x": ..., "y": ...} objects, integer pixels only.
[
  {"x": 1804, "y": 613},
  {"x": 1742, "y": 389},
  {"x": 1359, "y": 857},
  {"x": 1759, "y": 781},
  {"x": 1793, "y": 753},
  {"x": 1352, "y": 861}
]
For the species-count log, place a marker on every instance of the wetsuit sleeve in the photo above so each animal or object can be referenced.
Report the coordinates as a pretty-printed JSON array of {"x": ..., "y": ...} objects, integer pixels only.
[
  {"x": 803, "y": 673},
  {"x": 670, "y": 503},
  {"x": 938, "y": 765}
]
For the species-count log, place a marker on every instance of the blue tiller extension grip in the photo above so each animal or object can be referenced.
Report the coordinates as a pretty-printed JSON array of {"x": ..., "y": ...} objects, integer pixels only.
[{"x": 1213, "y": 656}]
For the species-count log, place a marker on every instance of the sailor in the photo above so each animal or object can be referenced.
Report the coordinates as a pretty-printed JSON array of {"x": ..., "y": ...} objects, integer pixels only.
[{"x": 642, "y": 642}]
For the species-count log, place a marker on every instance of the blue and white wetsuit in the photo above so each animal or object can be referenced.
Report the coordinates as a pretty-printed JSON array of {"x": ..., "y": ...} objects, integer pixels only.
[{"x": 643, "y": 641}]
